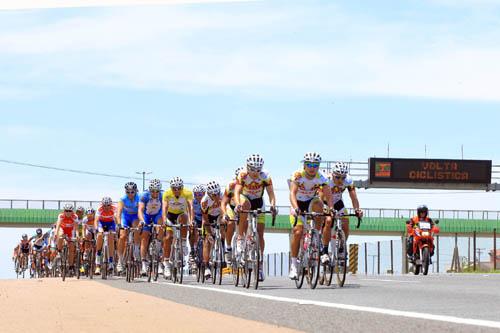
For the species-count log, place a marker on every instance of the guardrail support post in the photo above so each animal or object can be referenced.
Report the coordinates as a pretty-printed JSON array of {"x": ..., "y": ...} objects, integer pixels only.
[
  {"x": 437, "y": 252},
  {"x": 281, "y": 264},
  {"x": 392, "y": 258},
  {"x": 366, "y": 259},
  {"x": 495, "y": 249},
  {"x": 275, "y": 265},
  {"x": 474, "y": 248},
  {"x": 378, "y": 257},
  {"x": 268, "y": 264}
]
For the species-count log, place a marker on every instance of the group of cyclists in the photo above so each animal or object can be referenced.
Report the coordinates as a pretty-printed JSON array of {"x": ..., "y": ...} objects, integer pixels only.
[{"x": 196, "y": 211}]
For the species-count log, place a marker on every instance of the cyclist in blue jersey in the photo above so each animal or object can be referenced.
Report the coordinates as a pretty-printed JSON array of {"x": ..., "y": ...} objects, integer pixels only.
[
  {"x": 127, "y": 217},
  {"x": 150, "y": 204},
  {"x": 198, "y": 193}
]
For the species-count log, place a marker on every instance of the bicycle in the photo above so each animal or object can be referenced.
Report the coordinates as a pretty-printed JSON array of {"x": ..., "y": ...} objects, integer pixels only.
[
  {"x": 64, "y": 263},
  {"x": 217, "y": 263},
  {"x": 88, "y": 261},
  {"x": 337, "y": 262},
  {"x": 153, "y": 252},
  {"x": 250, "y": 260},
  {"x": 36, "y": 265},
  {"x": 131, "y": 263},
  {"x": 176, "y": 254},
  {"x": 198, "y": 256},
  {"x": 308, "y": 259},
  {"x": 105, "y": 255},
  {"x": 21, "y": 264}
]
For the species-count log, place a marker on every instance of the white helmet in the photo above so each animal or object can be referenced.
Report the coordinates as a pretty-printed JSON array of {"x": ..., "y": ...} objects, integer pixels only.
[
  {"x": 255, "y": 162},
  {"x": 68, "y": 206},
  {"x": 90, "y": 211},
  {"x": 155, "y": 185},
  {"x": 176, "y": 182},
  {"x": 237, "y": 171},
  {"x": 199, "y": 189},
  {"x": 213, "y": 188},
  {"x": 312, "y": 157},
  {"x": 131, "y": 186},
  {"x": 80, "y": 209},
  {"x": 106, "y": 201},
  {"x": 340, "y": 168}
]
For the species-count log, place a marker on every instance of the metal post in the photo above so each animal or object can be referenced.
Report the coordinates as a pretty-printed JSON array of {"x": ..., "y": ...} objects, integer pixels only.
[
  {"x": 268, "y": 264},
  {"x": 43, "y": 204},
  {"x": 378, "y": 257},
  {"x": 289, "y": 260},
  {"x": 11, "y": 205},
  {"x": 366, "y": 259},
  {"x": 474, "y": 247},
  {"x": 281, "y": 265},
  {"x": 392, "y": 258},
  {"x": 495, "y": 249},
  {"x": 27, "y": 205},
  {"x": 275, "y": 264},
  {"x": 59, "y": 204},
  {"x": 468, "y": 254},
  {"x": 437, "y": 252}
]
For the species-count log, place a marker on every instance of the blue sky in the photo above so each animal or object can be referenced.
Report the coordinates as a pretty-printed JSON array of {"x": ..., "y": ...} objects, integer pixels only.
[{"x": 190, "y": 90}]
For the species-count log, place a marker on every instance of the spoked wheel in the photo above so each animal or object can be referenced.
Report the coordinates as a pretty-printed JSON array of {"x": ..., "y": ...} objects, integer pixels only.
[
  {"x": 340, "y": 260},
  {"x": 180, "y": 262},
  {"x": 235, "y": 273},
  {"x": 91, "y": 263},
  {"x": 104, "y": 264},
  {"x": 313, "y": 262},
  {"x": 215, "y": 264},
  {"x": 64, "y": 267},
  {"x": 256, "y": 262},
  {"x": 220, "y": 261},
  {"x": 202, "y": 272},
  {"x": 300, "y": 271},
  {"x": 78, "y": 263},
  {"x": 129, "y": 264}
]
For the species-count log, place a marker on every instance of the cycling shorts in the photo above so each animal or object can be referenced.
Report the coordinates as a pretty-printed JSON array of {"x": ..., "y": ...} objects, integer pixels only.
[
  {"x": 304, "y": 206},
  {"x": 107, "y": 226},
  {"x": 255, "y": 204},
  {"x": 150, "y": 219},
  {"x": 128, "y": 220}
]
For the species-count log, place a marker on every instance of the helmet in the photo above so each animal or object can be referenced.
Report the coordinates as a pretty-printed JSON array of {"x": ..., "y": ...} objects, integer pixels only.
[
  {"x": 155, "y": 185},
  {"x": 176, "y": 182},
  {"x": 106, "y": 201},
  {"x": 422, "y": 209},
  {"x": 199, "y": 189},
  {"x": 340, "y": 168},
  {"x": 312, "y": 157},
  {"x": 25, "y": 237},
  {"x": 255, "y": 162},
  {"x": 237, "y": 171},
  {"x": 80, "y": 209},
  {"x": 68, "y": 206},
  {"x": 38, "y": 231},
  {"x": 90, "y": 211},
  {"x": 213, "y": 188},
  {"x": 131, "y": 186}
]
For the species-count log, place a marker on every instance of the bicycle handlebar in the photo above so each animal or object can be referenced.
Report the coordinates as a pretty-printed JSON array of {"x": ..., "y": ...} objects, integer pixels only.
[{"x": 260, "y": 211}]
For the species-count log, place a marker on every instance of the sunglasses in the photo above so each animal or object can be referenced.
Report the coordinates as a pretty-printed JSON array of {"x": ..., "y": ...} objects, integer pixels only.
[
  {"x": 130, "y": 192},
  {"x": 199, "y": 194},
  {"x": 176, "y": 188},
  {"x": 312, "y": 165},
  {"x": 339, "y": 177},
  {"x": 254, "y": 169},
  {"x": 68, "y": 211}
]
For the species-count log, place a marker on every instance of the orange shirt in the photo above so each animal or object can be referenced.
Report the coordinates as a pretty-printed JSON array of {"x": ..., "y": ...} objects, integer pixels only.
[
  {"x": 67, "y": 223},
  {"x": 106, "y": 215}
]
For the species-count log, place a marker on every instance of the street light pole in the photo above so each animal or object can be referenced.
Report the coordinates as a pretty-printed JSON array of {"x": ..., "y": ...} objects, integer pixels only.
[{"x": 143, "y": 173}]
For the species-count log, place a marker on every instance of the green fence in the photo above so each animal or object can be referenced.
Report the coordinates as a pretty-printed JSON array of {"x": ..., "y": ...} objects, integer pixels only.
[{"x": 369, "y": 224}]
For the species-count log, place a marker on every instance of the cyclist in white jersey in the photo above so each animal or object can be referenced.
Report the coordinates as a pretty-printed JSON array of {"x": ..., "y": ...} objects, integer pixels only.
[
  {"x": 340, "y": 180},
  {"x": 211, "y": 215},
  {"x": 304, "y": 197}
]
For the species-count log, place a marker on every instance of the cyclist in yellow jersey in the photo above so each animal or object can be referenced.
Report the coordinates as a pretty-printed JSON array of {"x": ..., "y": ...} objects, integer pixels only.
[
  {"x": 227, "y": 207},
  {"x": 176, "y": 208},
  {"x": 80, "y": 212},
  {"x": 248, "y": 195}
]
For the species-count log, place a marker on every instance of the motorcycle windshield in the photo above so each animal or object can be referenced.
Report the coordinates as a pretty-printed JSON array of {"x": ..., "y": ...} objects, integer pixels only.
[{"x": 424, "y": 225}]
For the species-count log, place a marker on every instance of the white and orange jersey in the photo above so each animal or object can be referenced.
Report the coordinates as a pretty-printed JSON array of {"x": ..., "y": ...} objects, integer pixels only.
[
  {"x": 253, "y": 188},
  {"x": 308, "y": 188},
  {"x": 229, "y": 192},
  {"x": 106, "y": 215},
  {"x": 210, "y": 206},
  {"x": 338, "y": 187}
]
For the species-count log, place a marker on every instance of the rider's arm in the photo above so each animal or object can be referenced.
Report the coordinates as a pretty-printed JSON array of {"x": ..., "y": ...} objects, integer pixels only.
[
  {"x": 270, "y": 193},
  {"x": 293, "y": 195},
  {"x": 119, "y": 210},
  {"x": 327, "y": 195},
  {"x": 237, "y": 193},
  {"x": 223, "y": 203},
  {"x": 140, "y": 212},
  {"x": 164, "y": 209},
  {"x": 58, "y": 226},
  {"x": 190, "y": 210},
  {"x": 354, "y": 198}
]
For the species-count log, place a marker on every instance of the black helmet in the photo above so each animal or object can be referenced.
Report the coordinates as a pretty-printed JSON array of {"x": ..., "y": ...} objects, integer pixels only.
[
  {"x": 422, "y": 209},
  {"x": 38, "y": 231}
]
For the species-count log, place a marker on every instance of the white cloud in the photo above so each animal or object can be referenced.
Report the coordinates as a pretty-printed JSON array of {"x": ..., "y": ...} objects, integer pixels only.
[{"x": 207, "y": 51}]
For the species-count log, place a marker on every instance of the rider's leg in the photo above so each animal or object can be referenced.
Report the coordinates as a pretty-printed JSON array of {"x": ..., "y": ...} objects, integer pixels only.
[
  {"x": 111, "y": 240},
  {"x": 345, "y": 227},
  {"x": 183, "y": 220},
  {"x": 71, "y": 253},
  {"x": 122, "y": 240},
  {"x": 297, "y": 233},
  {"x": 243, "y": 222}
]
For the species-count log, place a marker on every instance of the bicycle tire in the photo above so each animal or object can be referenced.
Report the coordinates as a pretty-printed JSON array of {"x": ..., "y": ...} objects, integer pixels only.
[
  {"x": 213, "y": 267},
  {"x": 181, "y": 266},
  {"x": 256, "y": 261},
  {"x": 300, "y": 270},
  {"x": 78, "y": 262},
  {"x": 104, "y": 264},
  {"x": 220, "y": 267},
  {"x": 64, "y": 259},
  {"x": 341, "y": 264},
  {"x": 313, "y": 262}
]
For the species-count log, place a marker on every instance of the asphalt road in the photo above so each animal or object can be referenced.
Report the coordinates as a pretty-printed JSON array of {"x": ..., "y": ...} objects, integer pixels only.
[{"x": 447, "y": 303}]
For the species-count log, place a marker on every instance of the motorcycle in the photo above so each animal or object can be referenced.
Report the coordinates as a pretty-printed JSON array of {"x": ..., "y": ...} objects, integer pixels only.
[{"x": 423, "y": 245}]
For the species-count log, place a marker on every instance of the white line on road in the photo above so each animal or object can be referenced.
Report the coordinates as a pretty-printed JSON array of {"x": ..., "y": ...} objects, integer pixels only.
[
  {"x": 385, "y": 280},
  {"x": 389, "y": 312}
]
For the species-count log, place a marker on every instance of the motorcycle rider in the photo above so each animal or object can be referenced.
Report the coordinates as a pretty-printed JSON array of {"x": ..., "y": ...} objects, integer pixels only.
[{"x": 422, "y": 215}]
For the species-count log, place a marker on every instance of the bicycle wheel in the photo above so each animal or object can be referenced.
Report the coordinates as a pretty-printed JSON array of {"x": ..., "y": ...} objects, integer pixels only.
[
  {"x": 341, "y": 262},
  {"x": 220, "y": 261},
  {"x": 128, "y": 264},
  {"x": 91, "y": 262},
  {"x": 300, "y": 269},
  {"x": 104, "y": 263},
  {"x": 180, "y": 264},
  {"x": 213, "y": 260},
  {"x": 313, "y": 261},
  {"x": 78, "y": 262},
  {"x": 174, "y": 258},
  {"x": 202, "y": 272},
  {"x": 256, "y": 261},
  {"x": 64, "y": 258}
]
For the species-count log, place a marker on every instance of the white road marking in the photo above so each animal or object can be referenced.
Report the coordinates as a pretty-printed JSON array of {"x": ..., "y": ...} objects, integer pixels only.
[
  {"x": 389, "y": 312},
  {"x": 387, "y": 280}
]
